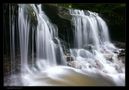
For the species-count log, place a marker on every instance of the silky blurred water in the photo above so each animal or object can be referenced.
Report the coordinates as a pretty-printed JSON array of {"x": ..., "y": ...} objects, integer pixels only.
[{"x": 95, "y": 61}]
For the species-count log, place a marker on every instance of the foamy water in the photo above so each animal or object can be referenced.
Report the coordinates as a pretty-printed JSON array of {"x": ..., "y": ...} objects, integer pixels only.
[
  {"x": 62, "y": 76},
  {"x": 95, "y": 62}
]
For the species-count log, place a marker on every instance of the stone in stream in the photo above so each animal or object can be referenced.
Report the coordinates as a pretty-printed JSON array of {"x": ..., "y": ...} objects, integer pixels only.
[
  {"x": 121, "y": 55},
  {"x": 69, "y": 58}
]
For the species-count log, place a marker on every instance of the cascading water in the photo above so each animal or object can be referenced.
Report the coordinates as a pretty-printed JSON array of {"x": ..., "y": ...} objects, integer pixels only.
[
  {"x": 93, "y": 49},
  {"x": 47, "y": 67},
  {"x": 46, "y": 34},
  {"x": 46, "y": 48},
  {"x": 24, "y": 28}
]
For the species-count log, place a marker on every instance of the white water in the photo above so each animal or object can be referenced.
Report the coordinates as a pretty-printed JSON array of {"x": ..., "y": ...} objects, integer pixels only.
[
  {"x": 91, "y": 52},
  {"x": 46, "y": 49},
  {"x": 48, "y": 53},
  {"x": 24, "y": 28}
]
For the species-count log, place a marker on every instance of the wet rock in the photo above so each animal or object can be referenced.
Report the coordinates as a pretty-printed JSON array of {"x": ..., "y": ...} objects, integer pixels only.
[
  {"x": 122, "y": 52},
  {"x": 84, "y": 53},
  {"x": 89, "y": 47},
  {"x": 119, "y": 69},
  {"x": 69, "y": 58},
  {"x": 108, "y": 56},
  {"x": 121, "y": 55},
  {"x": 122, "y": 58},
  {"x": 75, "y": 64},
  {"x": 64, "y": 13},
  {"x": 119, "y": 44},
  {"x": 98, "y": 64}
]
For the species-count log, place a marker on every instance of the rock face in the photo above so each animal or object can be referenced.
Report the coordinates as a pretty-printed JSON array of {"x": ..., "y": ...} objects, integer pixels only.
[
  {"x": 64, "y": 13},
  {"x": 69, "y": 58},
  {"x": 115, "y": 17},
  {"x": 119, "y": 44},
  {"x": 59, "y": 16},
  {"x": 121, "y": 55}
]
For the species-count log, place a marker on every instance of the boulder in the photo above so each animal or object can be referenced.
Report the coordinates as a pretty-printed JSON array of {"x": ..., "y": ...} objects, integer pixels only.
[{"x": 69, "y": 58}]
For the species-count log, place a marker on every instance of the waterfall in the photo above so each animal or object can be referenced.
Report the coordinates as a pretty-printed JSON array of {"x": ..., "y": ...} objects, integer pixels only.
[
  {"x": 93, "y": 49},
  {"x": 45, "y": 34},
  {"x": 45, "y": 45},
  {"x": 42, "y": 59},
  {"x": 24, "y": 28},
  {"x": 90, "y": 29},
  {"x": 49, "y": 52}
]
